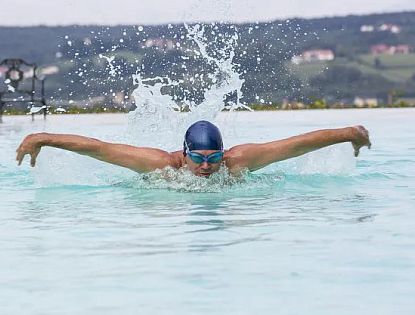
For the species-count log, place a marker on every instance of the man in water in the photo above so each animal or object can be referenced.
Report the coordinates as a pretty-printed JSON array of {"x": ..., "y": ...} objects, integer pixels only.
[{"x": 203, "y": 152}]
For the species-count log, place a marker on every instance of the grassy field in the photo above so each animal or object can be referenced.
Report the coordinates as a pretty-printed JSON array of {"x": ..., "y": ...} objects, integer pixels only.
[
  {"x": 393, "y": 67},
  {"x": 391, "y": 61},
  {"x": 398, "y": 68},
  {"x": 307, "y": 70}
]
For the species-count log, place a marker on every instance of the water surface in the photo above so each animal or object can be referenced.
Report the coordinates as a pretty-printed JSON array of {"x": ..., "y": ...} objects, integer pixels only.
[{"x": 322, "y": 234}]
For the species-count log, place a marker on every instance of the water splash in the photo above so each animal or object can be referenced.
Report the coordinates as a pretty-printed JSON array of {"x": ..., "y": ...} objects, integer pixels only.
[
  {"x": 331, "y": 161},
  {"x": 183, "y": 180},
  {"x": 110, "y": 60},
  {"x": 160, "y": 120}
]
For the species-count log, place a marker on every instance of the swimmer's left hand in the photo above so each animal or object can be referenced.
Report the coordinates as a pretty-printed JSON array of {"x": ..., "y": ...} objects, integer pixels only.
[
  {"x": 360, "y": 139},
  {"x": 31, "y": 145}
]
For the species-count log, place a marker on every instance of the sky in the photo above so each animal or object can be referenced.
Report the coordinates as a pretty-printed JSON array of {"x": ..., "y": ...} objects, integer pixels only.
[{"x": 142, "y": 12}]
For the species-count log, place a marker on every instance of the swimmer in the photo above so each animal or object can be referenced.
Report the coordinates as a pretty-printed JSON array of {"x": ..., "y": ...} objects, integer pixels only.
[{"x": 203, "y": 153}]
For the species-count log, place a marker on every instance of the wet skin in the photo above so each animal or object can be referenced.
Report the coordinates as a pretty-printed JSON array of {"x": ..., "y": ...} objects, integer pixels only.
[{"x": 249, "y": 156}]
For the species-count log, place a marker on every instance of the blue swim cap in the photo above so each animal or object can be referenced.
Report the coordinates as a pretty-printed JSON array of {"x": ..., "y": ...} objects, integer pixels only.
[{"x": 203, "y": 135}]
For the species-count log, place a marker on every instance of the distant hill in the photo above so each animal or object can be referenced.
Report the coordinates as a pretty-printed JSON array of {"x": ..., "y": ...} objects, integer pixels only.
[{"x": 264, "y": 53}]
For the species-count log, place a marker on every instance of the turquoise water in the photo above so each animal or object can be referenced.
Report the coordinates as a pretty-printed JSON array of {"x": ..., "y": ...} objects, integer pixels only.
[{"x": 322, "y": 234}]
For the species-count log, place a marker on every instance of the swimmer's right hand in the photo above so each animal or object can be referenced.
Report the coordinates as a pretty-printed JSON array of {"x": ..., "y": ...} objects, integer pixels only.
[
  {"x": 31, "y": 145},
  {"x": 360, "y": 139}
]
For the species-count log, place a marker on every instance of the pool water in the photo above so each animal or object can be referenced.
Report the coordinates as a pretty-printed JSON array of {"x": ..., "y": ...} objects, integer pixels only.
[{"x": 321, "y": 234}]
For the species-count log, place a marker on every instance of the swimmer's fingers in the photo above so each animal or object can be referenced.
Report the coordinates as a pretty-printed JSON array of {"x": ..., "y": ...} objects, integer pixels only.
[
  {"x": 21, "y": 154},
  {"x": 365, "y": 134},
  {"x": 19, "y": 159},
  {"x": 33, "y": 157},
  {"x": 356, "y": 150},
  {"x": 361, "y": 140}
]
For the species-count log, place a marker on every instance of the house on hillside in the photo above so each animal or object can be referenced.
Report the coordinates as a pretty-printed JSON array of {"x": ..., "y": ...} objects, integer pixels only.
[
  {"x": 160, "y": 43},
  {"x": 382, "y": 49},
  {"x": 379, "y": 49},
  {"x": 365, "y": 102},
  {"x": 401, "y": 49},
  {"x": 310, "y": 56},
  {"x": 87, "y": 41},
  {"x": 389, "y": 28},
  {"x": 367, "y": 28},
  {"x": 392, "y": 28}
]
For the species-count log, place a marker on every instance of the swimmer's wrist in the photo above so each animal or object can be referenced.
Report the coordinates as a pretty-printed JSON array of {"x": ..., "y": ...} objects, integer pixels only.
[
  {"x": 44, "y": 139},
  {"x": 353, "y": 133},
  {"x": 348, "y": 134}
]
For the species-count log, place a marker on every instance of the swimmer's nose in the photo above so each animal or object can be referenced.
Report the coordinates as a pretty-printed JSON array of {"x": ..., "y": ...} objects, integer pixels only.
[{"x": 205, "y": 165}]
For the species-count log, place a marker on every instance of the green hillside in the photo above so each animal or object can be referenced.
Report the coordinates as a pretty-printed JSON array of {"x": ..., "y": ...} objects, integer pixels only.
[
  {"x": 262, "y": 57},
  {"x": 395, "y": 68}
]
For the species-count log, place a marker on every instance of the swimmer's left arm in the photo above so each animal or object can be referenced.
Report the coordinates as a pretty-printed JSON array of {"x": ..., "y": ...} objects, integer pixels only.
[
  {"x": 256, "y": 156},
  {"x": 139, "y": 159}
]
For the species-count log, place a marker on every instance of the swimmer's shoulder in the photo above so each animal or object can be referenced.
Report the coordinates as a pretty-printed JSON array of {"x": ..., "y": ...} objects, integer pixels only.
[
  {"x": 234, "y": 161},
  {"x": 177, "y": 159},
  {"x": 232, "y": 155}
]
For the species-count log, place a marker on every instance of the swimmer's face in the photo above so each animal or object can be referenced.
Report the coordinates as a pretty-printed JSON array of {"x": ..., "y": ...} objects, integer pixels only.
[{"x": 204, "y": 169}]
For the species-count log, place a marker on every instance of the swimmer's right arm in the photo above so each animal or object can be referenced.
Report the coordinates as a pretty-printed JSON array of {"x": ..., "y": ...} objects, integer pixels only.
[
  {"x": 139, "y": 159},
  {"x": 257, "y": 156}
]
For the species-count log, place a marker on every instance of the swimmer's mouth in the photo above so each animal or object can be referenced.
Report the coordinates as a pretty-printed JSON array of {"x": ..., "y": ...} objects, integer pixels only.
[{"x": 205, "y": 174}]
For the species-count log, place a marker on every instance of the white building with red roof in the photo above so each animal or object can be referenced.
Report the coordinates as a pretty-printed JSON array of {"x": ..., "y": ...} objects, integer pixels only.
[{"x": 315, "y": 55}]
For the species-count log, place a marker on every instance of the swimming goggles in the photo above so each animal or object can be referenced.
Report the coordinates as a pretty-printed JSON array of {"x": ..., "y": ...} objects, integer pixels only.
[{"x": 198, "y": 158}]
